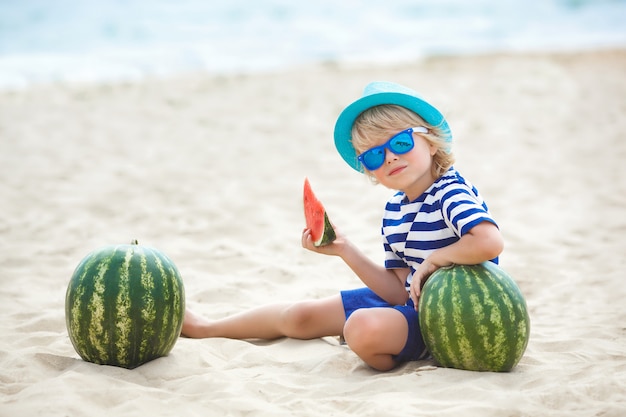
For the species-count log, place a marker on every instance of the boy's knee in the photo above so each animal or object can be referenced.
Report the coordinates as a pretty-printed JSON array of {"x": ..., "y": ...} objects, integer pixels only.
[
  {"x": 362, "y": 330},
  {"x": 365, "y": 334},
  {"x": 296, "y": 318}
]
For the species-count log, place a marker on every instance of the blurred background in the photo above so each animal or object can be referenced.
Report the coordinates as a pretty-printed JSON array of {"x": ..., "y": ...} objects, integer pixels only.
[{"x": 99, "y": 40}]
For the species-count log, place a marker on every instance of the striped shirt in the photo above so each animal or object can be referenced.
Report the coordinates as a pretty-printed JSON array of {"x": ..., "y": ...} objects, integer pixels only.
[{"x": 412, "y": 230}]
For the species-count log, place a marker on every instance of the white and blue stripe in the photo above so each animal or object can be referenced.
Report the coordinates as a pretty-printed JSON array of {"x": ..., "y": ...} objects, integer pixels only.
[{"x": 413, "y": 230}]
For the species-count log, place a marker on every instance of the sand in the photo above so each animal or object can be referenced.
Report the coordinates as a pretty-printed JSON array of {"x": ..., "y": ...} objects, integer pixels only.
[{"x": 209, "y": 169}]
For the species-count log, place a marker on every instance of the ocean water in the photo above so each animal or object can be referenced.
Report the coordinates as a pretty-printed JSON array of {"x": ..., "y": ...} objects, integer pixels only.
[{"x": 44, "y": 41}]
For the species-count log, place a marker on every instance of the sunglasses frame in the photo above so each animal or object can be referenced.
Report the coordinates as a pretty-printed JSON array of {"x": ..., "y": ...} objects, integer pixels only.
[{"x": 387, "y": 145}]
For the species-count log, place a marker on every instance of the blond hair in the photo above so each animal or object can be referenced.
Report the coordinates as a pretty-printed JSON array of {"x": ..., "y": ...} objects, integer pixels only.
[{"x": 378, "y": 123}]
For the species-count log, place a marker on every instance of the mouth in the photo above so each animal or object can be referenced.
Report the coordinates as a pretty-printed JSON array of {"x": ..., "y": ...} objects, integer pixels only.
[{"x": 396, "y": 170}]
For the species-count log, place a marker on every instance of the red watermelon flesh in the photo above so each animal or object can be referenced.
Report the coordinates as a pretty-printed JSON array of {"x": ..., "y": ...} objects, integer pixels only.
[{"x": 317, "y": 221}]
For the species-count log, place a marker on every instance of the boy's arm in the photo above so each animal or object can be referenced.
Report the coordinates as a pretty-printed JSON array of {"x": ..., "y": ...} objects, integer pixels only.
[
  {"x": 386, "y": 283},
  {"x": 482, "y": 243}
]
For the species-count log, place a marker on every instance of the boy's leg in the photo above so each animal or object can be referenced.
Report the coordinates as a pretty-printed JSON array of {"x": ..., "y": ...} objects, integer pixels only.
[
  {"x": 376, "y": 335},
  {"x": 300, "y": 320}
]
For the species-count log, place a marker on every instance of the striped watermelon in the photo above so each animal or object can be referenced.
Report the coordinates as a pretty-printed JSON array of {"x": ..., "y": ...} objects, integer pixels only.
[
  {"x": 474, "y": 318},
  {"x": 124, "y": 306}
]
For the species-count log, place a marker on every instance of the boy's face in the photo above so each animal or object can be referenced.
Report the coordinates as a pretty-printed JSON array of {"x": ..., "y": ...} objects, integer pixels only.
[{"x": 410, "y": 172}]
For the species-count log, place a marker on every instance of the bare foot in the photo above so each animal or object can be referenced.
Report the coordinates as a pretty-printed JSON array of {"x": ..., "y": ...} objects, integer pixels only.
[{"x": 194, "y": 325}]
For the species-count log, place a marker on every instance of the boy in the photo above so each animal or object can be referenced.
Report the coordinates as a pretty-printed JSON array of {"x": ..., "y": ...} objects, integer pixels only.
[{"x": 435, "y": 219}]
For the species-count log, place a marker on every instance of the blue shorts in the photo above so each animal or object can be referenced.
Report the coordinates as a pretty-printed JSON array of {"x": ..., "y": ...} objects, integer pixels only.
[{"x": 415, "y": 349}]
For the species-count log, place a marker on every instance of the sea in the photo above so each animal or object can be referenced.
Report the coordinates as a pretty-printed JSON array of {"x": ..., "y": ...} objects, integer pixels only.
[{"x": 91, "y": 41}]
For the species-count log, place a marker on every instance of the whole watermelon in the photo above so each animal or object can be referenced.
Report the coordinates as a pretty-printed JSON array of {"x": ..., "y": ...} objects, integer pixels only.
[
  {"x": 124, "y": 306},
  {"x": 474, "y": 317}
]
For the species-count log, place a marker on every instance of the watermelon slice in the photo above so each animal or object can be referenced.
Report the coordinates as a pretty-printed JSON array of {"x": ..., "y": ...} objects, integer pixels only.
[{"x": 322, "y": 231}]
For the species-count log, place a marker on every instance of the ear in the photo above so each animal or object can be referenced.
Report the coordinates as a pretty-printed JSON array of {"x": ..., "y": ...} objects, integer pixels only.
[{"x": 433, "y": 149}]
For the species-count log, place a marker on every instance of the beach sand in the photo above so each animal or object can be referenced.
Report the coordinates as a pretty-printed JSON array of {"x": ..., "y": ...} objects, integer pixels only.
[{"x": 209, "y": 169}]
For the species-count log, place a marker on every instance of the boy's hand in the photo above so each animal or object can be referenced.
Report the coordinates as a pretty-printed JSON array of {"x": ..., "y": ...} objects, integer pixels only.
[
  {"x": 420, "y": 276},
  {"x": 330, "y": 249}
]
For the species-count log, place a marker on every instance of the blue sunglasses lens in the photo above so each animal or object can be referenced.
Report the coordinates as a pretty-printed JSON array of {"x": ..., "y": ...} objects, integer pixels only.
[
  {"x": 374, "y": 158},
  {"x": 399, "y": 144}
]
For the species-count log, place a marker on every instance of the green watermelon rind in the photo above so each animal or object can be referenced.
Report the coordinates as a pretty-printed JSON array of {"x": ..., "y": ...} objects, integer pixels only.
[
  {"x": 484, "y": 325},
  {"x": 124, "y": 306},
  {"x": 328, "y": 235}
]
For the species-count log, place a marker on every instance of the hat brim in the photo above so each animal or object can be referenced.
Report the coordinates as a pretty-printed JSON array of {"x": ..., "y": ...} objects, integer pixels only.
[{"x": 343, "y": 126}]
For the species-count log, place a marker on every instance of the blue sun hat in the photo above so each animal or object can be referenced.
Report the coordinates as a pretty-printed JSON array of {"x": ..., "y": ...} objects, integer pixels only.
[{"x": 375, "y": 94}]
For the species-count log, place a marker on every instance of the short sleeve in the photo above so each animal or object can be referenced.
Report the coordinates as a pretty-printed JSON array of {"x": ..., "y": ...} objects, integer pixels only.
[{"x": 463, "y": 209}]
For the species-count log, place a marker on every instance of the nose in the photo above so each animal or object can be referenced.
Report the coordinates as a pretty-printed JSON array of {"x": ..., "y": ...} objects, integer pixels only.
[{"x": 390, "y": 156}]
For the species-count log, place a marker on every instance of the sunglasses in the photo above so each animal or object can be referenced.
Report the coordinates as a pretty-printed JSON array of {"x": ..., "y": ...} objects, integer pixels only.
[{"x": 399, "y": 144}]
